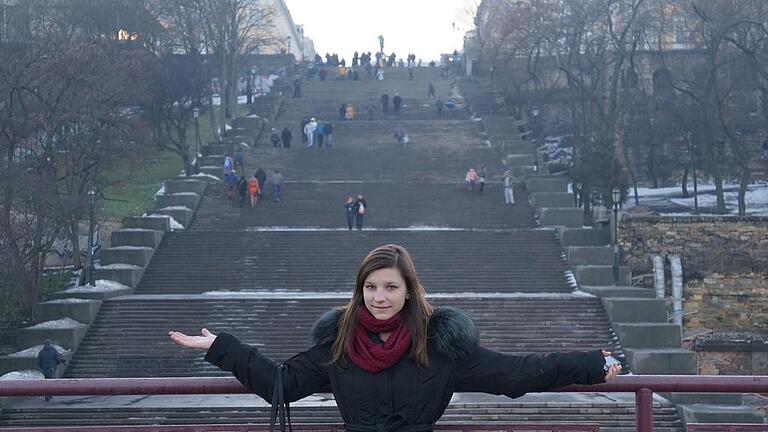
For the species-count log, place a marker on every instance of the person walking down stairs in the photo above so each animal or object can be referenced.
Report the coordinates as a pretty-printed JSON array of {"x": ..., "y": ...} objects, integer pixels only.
[
  {"x": 471, "y": 178},
  {"x": 277, "y": 186},
  {"x": 350, "y": 209},
  {"x": 253, "y": 191},
  {"x": 362, "y": 208},
  {"x": 509, "y": 194}
]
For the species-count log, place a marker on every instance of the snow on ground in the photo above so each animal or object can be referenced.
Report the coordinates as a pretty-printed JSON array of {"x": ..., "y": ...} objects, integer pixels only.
[
  {"x": 22, "y": 375},
  {"x": 35, "y": 350},
  {"x": 68, "y": 301},
  {"x": 102, "y": 285},
  {"x": 64, "y": 323},
  {"x": 756, "y": 200},
  {"x": 160, "y": 191},
  {"x": 176, "y": 208},
  {"x": 120, "y": 267}
]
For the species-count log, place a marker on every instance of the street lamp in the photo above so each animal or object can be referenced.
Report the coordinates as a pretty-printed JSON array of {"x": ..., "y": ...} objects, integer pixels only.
[
  {"x": 616, "y": 195},
  {"x": 196, "y": 115},
  {"x": 91, "y": 226},
  {"x": 300, "y": 30},
  {"x": 289, "y": 44}
]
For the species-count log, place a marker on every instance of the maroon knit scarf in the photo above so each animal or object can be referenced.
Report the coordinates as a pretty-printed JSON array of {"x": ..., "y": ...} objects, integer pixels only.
[{"x": 370, "y": 356}]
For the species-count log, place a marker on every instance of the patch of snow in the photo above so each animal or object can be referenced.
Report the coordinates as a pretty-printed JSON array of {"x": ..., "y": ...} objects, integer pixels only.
[
  {"x": 312, "y": 229},
  {"x": 182, "y": 194},
  {"x": 64, "y": 323},
  {"x": 176, "y": 208},
  {"x": 120, "y": 267},
  {"x": 135, "y": 229},
  {"x": 160, "y": 191},
  {"x": 210, "y": 167},
  {"x": 129, "y": 248},
  {"x": 22, "y": 375},
  {"x": 102, "y": 285},
  {"x": 35, "y": 350},
  {"x": 227, "y": 127},
  {"x": 68, "y": 301},
  {"x": 756, "y": 200}
]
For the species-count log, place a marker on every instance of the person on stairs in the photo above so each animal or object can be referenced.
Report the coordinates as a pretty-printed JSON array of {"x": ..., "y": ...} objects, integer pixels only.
[
  {"x": 309, "y": 132},
  {"x": 361, "y": 210},
  {"x": 261, "y": 176},
  {"x": 391, "y": 359},
  {"x": 253, "y": 191},
  {"x": 471, "y": 178},
  {"x": 385, "y": 103},
  {"x": 350, "y": 209},
  {"x": 48, "y": 361},
  {"x": 286, "y": 136},
  {"x": 397, "y": 101},
  {"x": 509, "y": 194}
]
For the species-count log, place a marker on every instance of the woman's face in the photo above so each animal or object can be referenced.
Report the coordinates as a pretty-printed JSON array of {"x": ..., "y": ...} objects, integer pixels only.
[{"x": 384, "y": 291}]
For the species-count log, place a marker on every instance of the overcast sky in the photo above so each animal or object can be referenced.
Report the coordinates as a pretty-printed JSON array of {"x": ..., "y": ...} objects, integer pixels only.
[{"x": 424, "y": 27}]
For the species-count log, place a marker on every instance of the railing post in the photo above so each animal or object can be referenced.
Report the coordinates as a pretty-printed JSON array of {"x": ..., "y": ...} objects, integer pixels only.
[{"x": 644, "y": 410}]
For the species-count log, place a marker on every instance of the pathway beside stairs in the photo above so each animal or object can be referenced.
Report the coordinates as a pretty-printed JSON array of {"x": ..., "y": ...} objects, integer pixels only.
[{"x": 265, "y": 274}]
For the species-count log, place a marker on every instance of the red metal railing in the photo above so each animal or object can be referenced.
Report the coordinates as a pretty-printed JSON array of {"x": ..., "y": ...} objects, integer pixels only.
[
  {"x": 642, "y": 385},
  {"x": 331, "y": 427},
  {"x": 741, "y": 427}
]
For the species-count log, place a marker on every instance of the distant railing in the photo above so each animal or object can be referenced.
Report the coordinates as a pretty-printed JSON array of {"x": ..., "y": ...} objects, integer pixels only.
[{"x": 642, "y": 385}]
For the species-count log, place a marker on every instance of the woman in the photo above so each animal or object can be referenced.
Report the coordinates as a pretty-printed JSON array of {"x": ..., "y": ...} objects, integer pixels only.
[
  {"x": 471, "y": 178},
  {"x": 391, "y": 360},
  {"x": 350, "y": 209}
]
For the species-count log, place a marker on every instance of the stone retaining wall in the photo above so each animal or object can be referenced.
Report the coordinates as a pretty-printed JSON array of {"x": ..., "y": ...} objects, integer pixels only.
[
  {"x": 725, "y": 266},
  {"x": 706, "y": 245}
]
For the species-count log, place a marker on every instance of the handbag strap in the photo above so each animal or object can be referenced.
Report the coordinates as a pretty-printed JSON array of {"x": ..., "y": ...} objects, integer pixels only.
[{"x": 280, "y": 408}]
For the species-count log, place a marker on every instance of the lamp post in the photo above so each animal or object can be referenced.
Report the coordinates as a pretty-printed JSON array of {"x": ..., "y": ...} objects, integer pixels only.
[
  {"x": 196, "y": 115},
  {"x": 289, "y": 44},
  {"x": 91, "y": 225},
  {"x": 616, "y": 195},
  {"x": 300, "y": 30}
]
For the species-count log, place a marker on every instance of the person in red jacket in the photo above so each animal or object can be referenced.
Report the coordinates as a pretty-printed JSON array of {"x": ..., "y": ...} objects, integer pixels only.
[
  {"x": 253, "y": 190},
  {"x": 391, "y": 359}
]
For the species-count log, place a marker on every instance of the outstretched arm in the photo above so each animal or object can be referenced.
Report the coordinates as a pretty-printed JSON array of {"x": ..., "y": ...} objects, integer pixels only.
[
  {"x": 305, "y": 374},
  {"x": 489, "y": 371}
]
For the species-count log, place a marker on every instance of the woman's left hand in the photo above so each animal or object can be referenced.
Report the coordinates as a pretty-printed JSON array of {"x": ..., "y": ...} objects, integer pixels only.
[{"x": 613, "y": 370}]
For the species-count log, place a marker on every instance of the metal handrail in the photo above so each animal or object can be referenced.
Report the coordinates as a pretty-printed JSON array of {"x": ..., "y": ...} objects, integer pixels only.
[{"x": 642, "y": 385}]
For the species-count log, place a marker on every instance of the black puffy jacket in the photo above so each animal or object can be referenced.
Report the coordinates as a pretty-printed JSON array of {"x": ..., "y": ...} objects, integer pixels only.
[{"x": 405, "y": 397}]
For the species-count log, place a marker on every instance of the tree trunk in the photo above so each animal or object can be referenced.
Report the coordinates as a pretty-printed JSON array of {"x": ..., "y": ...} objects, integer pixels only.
[
  {"x": 743, "y": 187},
  {"x": 685, "y": 182},
  {"x": 718, "y": 178},
  {"x": 77, "y": 262}
]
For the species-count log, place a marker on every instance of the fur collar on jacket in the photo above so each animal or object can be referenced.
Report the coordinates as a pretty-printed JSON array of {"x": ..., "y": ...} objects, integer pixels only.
[{"x": 451, "y": 332}]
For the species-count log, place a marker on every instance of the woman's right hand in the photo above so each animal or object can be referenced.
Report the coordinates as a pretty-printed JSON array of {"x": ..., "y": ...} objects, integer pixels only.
[{"x": 196, "y": 342}]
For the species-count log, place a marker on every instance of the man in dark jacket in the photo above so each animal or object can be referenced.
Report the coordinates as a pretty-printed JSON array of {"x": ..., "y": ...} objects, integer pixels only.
[
  {"x": 385, "y": 103},
  {"x": 286, "y": 136},
  {"x": 261, "y": 176},
  {"x": 48, "y": 360},
  {"x": 304, "y": 122},
  {"x": 396, "y": 102}
]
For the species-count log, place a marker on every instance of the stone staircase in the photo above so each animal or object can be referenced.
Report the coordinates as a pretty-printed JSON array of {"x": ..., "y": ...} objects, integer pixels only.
[
  {"x": 486, "y": 258},
  {"x": 322, "y": 261}
]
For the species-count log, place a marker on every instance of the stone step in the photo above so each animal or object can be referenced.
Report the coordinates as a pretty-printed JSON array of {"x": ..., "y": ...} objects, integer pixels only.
[
  {"x": 635, "y": 310},
  {"x": 661, "y": 361},
  {"x": 390, "y": 206},
  {"x": 126, "y": 274},
  {"x": 648, "y": 335},
  {"x": 618, "y": 291},
  {"x": 137, "y": 237},
  {"x": 217, "y": 149},
  {"x": 552, "y": 199},
  {"x": 589, "y": 255},
  {"x": 525, "y": 159},
  {"x": 601, "y": 275},
  {"x": 138, "y": 256},
  {"x": 585, "y": 236},
  {"x": 561, "y": 216},
  {"x": 81, "y": 310},
  {"x": 183, "y": 199},
  {"x": 547, "y": 184},
  {"x": 147, "y": 222},
  {"x": 177, "y": 186},
  {"x": 181, "y": 214},
  {"x": 701, "y": 413}
]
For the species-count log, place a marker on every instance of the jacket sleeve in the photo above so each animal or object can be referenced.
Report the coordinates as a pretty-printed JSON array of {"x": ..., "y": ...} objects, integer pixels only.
[
  {"x": 306, "y": 373},
  {"x": 489, "y": 371}
]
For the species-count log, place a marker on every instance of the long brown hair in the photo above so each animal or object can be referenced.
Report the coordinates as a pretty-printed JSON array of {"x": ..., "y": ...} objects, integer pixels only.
[{"x": 415, "y": 312}]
